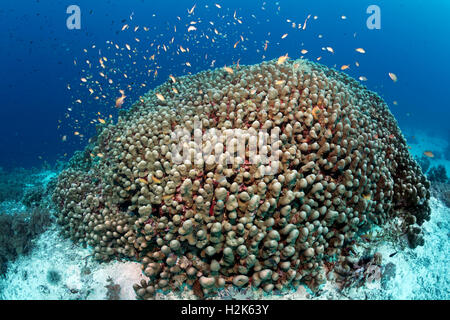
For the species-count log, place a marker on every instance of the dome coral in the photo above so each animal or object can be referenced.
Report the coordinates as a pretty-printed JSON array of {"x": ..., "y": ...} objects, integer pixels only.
[{"x": 181, "y": 188}]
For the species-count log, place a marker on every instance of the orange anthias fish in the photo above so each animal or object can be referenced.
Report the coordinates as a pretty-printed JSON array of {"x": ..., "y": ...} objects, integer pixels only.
[
  {"x": 282, "y": 59},
  {"x": 120, "y": 101},
  {"x": 156, "y": 180},
  {"x": 160, "y": 97},
  {"x": 228, "y": 69},
  {"x": 429, "y": 154},
  {"x": 316, "y": 112}
]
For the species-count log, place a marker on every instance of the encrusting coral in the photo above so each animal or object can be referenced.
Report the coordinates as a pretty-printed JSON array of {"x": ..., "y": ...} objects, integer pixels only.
[{"x": 342, "y": 165}]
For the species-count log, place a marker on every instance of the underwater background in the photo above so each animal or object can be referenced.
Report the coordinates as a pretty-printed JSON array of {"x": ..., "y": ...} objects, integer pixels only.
[{"x": 54, "y": 94}]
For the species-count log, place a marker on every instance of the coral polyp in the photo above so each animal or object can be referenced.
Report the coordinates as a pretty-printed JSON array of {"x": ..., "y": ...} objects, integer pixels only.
[{"x": 339, "y": 164}]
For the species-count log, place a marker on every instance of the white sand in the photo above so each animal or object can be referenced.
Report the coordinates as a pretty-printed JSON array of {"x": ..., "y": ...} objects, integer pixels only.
[{"x": 27, "y": 276}]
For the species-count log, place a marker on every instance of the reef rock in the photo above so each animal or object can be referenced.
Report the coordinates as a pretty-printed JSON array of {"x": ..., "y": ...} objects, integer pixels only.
[{"x": 330, "y": 161}]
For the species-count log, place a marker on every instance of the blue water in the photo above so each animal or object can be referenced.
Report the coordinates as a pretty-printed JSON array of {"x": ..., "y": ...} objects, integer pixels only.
[{"x": 37, "y": 54}]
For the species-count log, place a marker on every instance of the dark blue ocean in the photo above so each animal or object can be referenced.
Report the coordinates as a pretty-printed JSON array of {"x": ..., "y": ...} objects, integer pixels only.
[{"x": 42, "y": 122}]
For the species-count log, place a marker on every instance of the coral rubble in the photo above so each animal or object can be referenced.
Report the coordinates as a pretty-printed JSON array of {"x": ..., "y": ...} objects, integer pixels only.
[{"x": 341, "y": 166}]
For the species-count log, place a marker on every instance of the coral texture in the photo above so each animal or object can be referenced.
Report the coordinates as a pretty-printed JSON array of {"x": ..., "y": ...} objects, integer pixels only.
[{"x": 343, "y": 165}]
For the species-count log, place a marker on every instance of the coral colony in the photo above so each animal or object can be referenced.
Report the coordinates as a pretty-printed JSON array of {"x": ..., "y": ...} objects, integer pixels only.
[{"x": 329, "y": 162}]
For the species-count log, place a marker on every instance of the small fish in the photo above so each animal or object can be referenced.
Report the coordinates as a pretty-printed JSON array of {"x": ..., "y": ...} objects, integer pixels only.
[
  {"x": 143, "y": 181},
  {"x": 330, "y": 49},
  {"x": 192, "y": 28},
  {"x": 393, "y": 254},
  {"x": 393, "y": 76},
  {"x": 316, "y": 113},
  {"x": 306, "y": 20},
  {"x": 192, "y": 10},
  {"x": 228, "y": 69},
  {"x": 360, "y": 50},
  {"x": 284, "y": 36},
  {"x": 429, "y": 154},
  {"x": 362, "y": 78},
  {"x": 172, "y": 78},
  {"x": 120, "y": 101},
  {"x": 156, "y": 180},
  {"x": 100, "y": 155},
  {"x": 345, "y": 67},
  {"x": 304, "y": 51},
  {"x": 282, "y": 59},
  {"x": 101, "y": 121},
  {"x": 160, "y": 97},
  {"x": 367, "y": 197}
]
